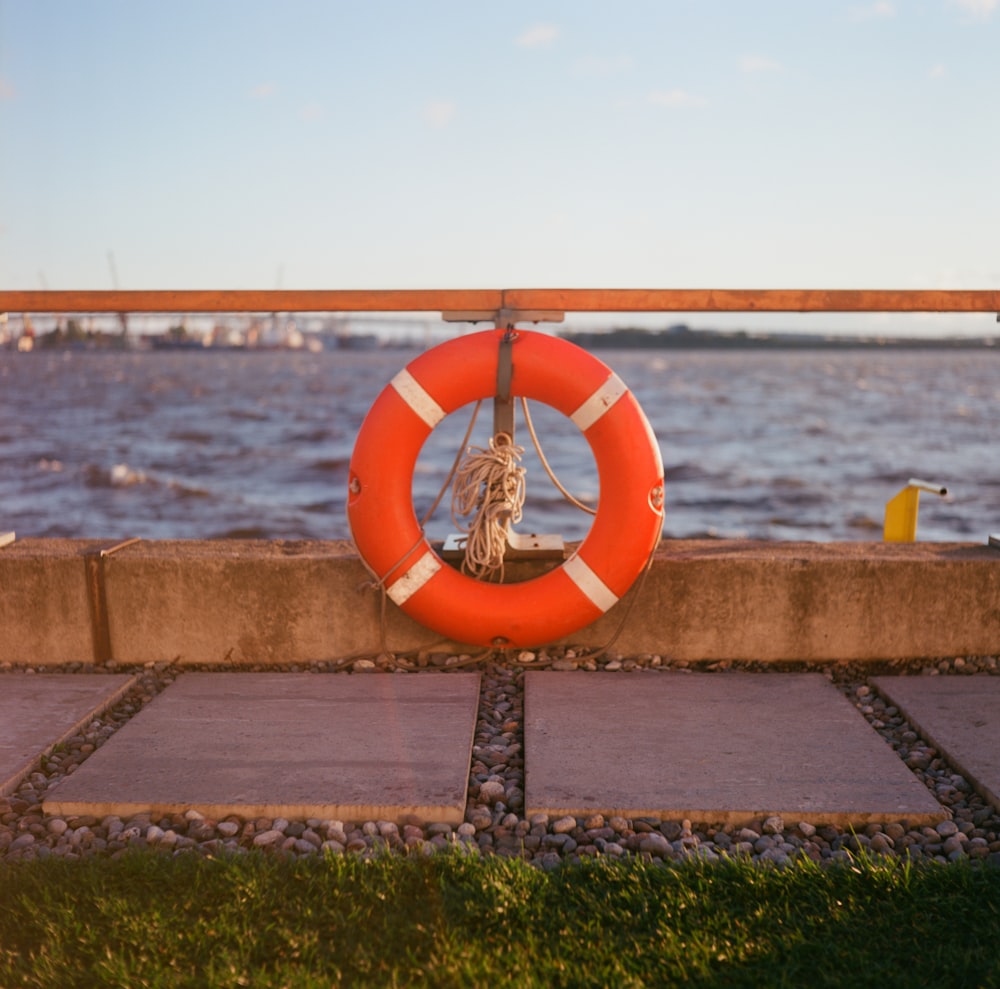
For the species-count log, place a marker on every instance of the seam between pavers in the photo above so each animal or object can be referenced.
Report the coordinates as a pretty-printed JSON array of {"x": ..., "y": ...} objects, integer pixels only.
[
  {"x": 97, "y": 598},
  {"x": 946, "y": 752},
  {"x": 11, "y": 785}
]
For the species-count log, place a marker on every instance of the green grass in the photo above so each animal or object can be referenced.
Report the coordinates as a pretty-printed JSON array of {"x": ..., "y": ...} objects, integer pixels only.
[{"x": 455, "y": 920}]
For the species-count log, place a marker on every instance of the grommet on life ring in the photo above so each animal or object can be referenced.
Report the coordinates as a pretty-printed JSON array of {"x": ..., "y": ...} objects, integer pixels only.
[{"x": 625, "y": 530}]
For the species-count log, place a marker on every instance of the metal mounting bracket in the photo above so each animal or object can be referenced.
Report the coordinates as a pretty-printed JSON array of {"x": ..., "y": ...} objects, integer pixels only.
[
  {"x": 502, "y": 318},
  {"x": 526, "y": 546}
]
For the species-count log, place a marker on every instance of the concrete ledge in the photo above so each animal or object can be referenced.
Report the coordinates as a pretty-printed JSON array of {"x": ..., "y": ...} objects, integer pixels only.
[
  {"x": 819, "y": 601},
  {"x": 244, "y": 602},
  {"x": 44, "y": 610}
]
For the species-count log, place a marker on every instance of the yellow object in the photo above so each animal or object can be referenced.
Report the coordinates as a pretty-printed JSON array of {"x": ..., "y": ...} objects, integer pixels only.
[{"x": 901, "y": 511}]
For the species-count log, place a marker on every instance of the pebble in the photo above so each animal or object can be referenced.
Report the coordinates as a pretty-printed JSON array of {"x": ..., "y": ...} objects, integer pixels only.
[
  {"x": 269, "y": 837},
  {"x": 881, "y": 843},
  {"x": 655, "y": 844},
  {"x": 495, "y": 823},
  {"x": 955, "y": 843},
  {"x": 491, "y": 792}
]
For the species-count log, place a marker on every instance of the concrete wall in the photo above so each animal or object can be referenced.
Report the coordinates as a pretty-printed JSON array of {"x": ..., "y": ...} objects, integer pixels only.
[
  {"x": 281, "y": 602},
  {"x": 44, "y": 606}
]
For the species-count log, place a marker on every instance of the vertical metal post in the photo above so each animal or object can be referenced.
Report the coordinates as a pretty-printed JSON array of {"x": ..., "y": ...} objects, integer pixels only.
[{"x": 503, "y": 400}]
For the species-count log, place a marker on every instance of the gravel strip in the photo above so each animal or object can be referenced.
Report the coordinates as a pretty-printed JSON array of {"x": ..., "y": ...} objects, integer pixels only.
[{"x": 494, "y": 820}]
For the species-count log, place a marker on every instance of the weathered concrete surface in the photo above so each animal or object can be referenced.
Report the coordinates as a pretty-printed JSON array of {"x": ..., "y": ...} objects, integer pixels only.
[
  {"x": 958, "y": 715},
  {"x": 292, "y": 745},
  {"x": 241, "y": 602},
  {"x": 278, "y": 602},
  {"x": 44, "y": 610},
  {"x": 819, "y": 601},
  {"x": 38, "y": 711},
  {"x": 713, "y": 747}
]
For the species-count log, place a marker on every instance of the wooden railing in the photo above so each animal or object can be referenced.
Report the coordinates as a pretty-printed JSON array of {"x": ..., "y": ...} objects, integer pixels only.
[{"x": 495, "y": 300}]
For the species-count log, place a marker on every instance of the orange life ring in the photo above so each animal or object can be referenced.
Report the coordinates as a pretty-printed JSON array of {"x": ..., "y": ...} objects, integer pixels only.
[{"x": 622, "y": 536}]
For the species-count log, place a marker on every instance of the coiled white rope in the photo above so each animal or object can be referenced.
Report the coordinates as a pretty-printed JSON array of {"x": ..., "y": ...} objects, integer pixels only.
[{"x": 489, "y": 483}]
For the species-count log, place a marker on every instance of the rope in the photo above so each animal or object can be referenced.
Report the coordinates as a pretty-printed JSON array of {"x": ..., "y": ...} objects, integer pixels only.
[
  {"x": 454, "y": 466},
  {"x": 548, "y": 470},
  {"x": 489, "y": 483}
]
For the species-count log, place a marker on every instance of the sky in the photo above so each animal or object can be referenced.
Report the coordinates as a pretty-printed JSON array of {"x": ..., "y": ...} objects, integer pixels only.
[{"x": 633, "y": 144}]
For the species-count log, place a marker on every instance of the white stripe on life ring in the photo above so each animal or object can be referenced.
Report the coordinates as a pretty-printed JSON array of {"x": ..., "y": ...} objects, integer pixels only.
[
  {"x": 592, "y": 586},
  {"x": 414, "y": 578},
  {"x": 599, "y": 403},
  {"x": 413, "y": 393}
]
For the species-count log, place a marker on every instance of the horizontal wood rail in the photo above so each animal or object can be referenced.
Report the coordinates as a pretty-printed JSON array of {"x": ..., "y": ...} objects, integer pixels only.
[{"x": 444, "y": 300}]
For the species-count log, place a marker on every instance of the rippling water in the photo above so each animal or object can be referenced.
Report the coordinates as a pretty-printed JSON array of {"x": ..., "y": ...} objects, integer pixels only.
[{"x": 776, "y": 445}]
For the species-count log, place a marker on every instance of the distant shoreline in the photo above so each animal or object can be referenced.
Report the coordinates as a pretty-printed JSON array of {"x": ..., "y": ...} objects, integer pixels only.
[
  {"x": 684, "y": 338},
  {"x": 676, "y": 338}
]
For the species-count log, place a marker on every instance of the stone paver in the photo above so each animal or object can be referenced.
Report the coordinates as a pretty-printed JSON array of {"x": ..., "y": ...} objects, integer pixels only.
[
  {"x": 715, "y": 747},
  {"x": 293, "y": 745},
  {"x": 958, "y": 715},
  {"x": 38, "y": 711}
]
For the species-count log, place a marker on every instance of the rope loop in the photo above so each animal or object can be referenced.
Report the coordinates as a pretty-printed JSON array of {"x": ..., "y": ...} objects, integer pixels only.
[{"x": 489, "y": 485}]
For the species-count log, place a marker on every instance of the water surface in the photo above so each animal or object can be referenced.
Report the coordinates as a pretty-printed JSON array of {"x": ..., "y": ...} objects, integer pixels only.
[{"x": 762, "y": 444}]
